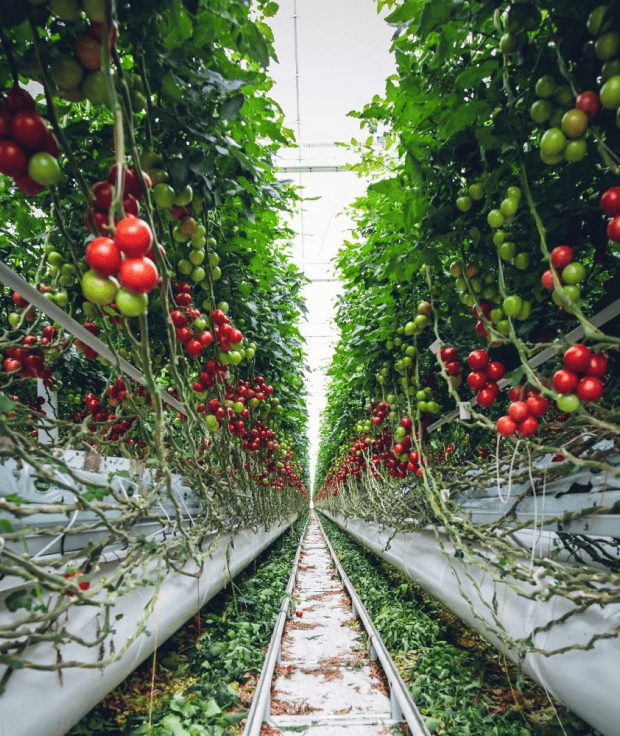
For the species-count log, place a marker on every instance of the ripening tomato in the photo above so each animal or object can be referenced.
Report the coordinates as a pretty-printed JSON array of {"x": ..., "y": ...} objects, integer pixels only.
[
  {"x": 29, "y": 130},
  {"x": 610, "y": 202},
  {"x": 506, "y": 426},
  {"x": 133, "y": 236},
  {"x": 478, "y": 360},
  {"x": 561, "y": 256},
  {"x": 138, "y": 275},
  {"x": 103, "y": 256},
  {"x": 577, "y": 359},
  {"x": 528, "y": 427},
  {"x": 547, "y": 280},
  {"x": 589, "y": 388},
  {"x": 597, "y": 366},
  {"x": 564, "y": 382}
]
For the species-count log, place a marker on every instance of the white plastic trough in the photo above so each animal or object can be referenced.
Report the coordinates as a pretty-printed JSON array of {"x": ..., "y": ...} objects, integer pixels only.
[
  {"x": 587, "y": 682},
  {"x": 36, "y": 703}
]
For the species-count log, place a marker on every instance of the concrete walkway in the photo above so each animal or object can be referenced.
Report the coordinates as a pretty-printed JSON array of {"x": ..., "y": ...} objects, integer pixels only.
[{"x": 325, "y": 684}]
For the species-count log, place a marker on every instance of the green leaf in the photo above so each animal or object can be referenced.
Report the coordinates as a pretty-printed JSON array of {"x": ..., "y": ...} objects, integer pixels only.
[
  {"x": 18, "y": 599},
  {"x": 231, "y": 107}
]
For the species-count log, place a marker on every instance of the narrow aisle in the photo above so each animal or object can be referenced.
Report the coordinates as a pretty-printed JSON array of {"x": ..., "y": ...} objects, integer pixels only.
[{"x": 326, "y": 680}]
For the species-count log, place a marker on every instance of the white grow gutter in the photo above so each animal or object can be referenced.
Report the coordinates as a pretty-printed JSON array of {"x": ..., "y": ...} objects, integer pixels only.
[
  {"x": 35, "y": 702},
  {"x": 587, "y": 682}
]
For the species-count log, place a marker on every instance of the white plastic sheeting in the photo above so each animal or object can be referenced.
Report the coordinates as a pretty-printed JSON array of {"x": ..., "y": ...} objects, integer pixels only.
[
  {"x": 35, "y": 702},
  {"x": 587, "y": 682}
]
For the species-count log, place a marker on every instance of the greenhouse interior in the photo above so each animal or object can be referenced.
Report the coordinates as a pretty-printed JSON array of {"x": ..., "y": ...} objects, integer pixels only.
[{"x": 310, "y": 391}]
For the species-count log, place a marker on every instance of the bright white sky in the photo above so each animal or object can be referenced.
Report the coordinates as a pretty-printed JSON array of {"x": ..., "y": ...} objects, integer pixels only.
[{"x": 343, "y": 59}]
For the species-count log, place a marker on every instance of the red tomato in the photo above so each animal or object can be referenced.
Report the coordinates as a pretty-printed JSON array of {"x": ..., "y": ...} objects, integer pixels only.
[
  {"x": 27, "y": 185},
  {"x": 133, "y": 236},
  {"x": 103, "y": 256},
  {"x": 476, "y": 380},
  {"x": 13, "y": 160},
  {"x": 597, "y": 366},
  {"x": 5, "y": 125},
  {"x": 448, "y": 355},
  {"x": 516, "y": 393},
  {"x": 102, "y": 195},
  {"x": 18, "y": 99},
  {"x": 205, "y": 338},
  {"x": 138, "y": 275},
  {"x": 518, "y": 411},
  {"x": 492, "y": 386},
  {"x": 453, "y": 368},
  {"x": 610, "y": 202},
  {"x": 478, "y": 360},
  {"x": 495, "y": 371},
  {"x": 183, "y": 334},
  {"x": 485, "y": 309},
  {"x": 50, "y": 145},
  {"x": 481, "y": 329},
  {"x": 577, "y": 358},
  {"x": 88, "y": 51},
  {"x": 547, "y": 280},
  {"x": 590, "y": 388},
  {"x": 194, "y": 348},
  {"x": 537, "y": 405},
  {"x": 588, "y": 102},
  {"x": 506, "y": 426},
  {"x": 564, "y": 382},
  {"x": 561, "y": 256},
  {"x": 485, "y": 397},
  {"x": 528, "y": 427},
  {"x": 131, "y": 206},
  {"x": 29, "y": 130},
  {"x": 178, "y": 212},
  {"x": 177, "y": 318},
  {"x": 613, "y": 229}
]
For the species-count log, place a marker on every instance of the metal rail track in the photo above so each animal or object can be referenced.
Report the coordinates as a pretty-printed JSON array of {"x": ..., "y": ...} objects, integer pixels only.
[{"x": 403, "y": 709}]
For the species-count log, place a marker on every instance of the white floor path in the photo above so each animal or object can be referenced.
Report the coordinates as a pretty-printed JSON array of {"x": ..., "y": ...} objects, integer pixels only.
[{"x": 326, "y": 684}]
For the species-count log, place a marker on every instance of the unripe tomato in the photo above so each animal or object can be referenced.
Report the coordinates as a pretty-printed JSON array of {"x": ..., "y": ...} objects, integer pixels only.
[
  {"x": 561, "y": 256},
  {"x": 98, "y": 289},
  {"x": 590, "y": 388},
  {"x": 44, "y": 169},
  {"x": 133, "y": 237},
  {"x": 130, "y": 304},
  {"x": 88, "y": 52},
  {"x": 577, "y": 358},
  {"x": 564, "y": 381}
]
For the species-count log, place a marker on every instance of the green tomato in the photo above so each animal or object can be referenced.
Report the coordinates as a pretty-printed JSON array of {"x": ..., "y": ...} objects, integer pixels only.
[
  {"x": 464, "y": 204},
  {"x": 55, "y": 259},
  {"x": 66, "y": 72},
  {"x": 595, "y": 20},
  {"x": 507, "y": 251},
  {"x": 179, "y": 235},
  {"x": 512, "y": 305},
  {"x": 607, "y": 45},
  {"x": 44, "y": 169},
  {"x": 545, "y": 86},
  {"x": 509, "y": 207},
  {"x": 95, "y": 10},
  {"x": 250, "y": 353},
  {"x": 94, "y": 88},
  {"x": 575, "y": 150},
  {"x": 217, "y": 273},
  {"x": 495, "y": 219},
  {"x": 610, "y": 69},
  {"x": 503, "y": 327},
  {"x": 163, "y": 195},
  {"x": 409, "y": 329},
  {"x": 198, "y": 274},
  {"x": 131, "y": 305},
  {"x": 522, "y": 261},
  {"x": 198, "y": 242},
  {"x": 497, "y": 314},
  {"x": 185, "y": 267},
  {"x": 476, "y": 191},
  {"x": 526, "y": 310},
  {"x": 553, "y": 142},
  {"x": 14, "y": 319},
  {"x": 499, "y": 236},
  {"x": 490, "y": 292},
  {"x": 573, "y": 273},
  {"x": 223, "y": 307},
  {"x": 541, "y": 111},
  {"x": 514, "y": 192},
  {"x": 201, "y": 323},
  {"x": 567, "y": 402},
  {"x": 563, "y": 96},
  {"x": 98, "y": 289},
  {"x": 184, "y": 197},
  {"x": 196, "y": 257},
  {"x": 610, "y": 93}
]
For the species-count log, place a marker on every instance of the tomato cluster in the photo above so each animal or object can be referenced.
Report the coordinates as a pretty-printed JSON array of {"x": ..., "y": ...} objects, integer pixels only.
[
  {"x": 102, "y": 197},
  {"x": 484, "y": 376},
  {"x": 28, "y": 361},
  {"x": 580, "y": 377},
  {"x": 28, "y": 149},
  {"x": 526, "y": 408}
]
